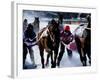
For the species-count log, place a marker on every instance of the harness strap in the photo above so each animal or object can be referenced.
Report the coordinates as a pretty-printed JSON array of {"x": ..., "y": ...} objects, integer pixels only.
[{"x": 44, "y": 34}]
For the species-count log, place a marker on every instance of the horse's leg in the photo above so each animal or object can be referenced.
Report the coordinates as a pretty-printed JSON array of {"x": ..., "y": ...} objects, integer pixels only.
[
  {"x": 81, "y": 54},
  {"x": 42, "y": 56},
  {"x": 88, "y": 40},
  {"x": 62, "y": 49},
  {"x": 24, "y": 54},
  {"x": 80, "y": 50},
  {"x": 52, "y": 62},
  {"x": 47, "y": 61},
  {"x": 89, "y": 55},
  {"x": 88, "y": 50},
  {"x": 88, "y": 47},
  {"x": 55, "y": 55},
  {"x": 84, "y": 57}
]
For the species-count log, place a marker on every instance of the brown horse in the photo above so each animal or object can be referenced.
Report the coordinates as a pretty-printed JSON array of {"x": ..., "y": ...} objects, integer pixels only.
[
  {"x": 84, "y": 43},
  {"x": 48, "y": 39},
  {"x": 84, "y": 47}
]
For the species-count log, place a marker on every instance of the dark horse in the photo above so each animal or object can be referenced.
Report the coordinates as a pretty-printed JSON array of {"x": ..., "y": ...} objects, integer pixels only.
[
  {"x": 84, "y": 43},
  {"x": 49, "y": 39},
  {"x": 65, "y": 39}
]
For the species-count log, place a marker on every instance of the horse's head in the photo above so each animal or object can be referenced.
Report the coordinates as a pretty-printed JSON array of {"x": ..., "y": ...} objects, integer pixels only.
[{"x": 54, "y": 32}]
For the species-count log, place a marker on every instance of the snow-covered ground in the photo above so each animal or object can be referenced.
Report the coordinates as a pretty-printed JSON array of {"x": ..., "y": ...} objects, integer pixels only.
[{"x": 66, "y": 61}]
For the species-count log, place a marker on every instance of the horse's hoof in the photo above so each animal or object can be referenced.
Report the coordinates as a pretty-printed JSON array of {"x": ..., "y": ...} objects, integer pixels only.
[
  {"x": 58, "y": 64},
  {"x": 43, "y": 67},
  {"x": 52, "y": 66},
  {"x": 84, "y": 64}
]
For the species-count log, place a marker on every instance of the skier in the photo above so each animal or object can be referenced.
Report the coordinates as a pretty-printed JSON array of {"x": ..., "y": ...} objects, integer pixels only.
[
  {"x": 65, "y": 34},
  {"x": 29, "y": 39}
]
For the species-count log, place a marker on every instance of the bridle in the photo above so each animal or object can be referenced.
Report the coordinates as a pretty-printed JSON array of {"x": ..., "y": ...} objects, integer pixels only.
[{"x": 52, "y": 39}]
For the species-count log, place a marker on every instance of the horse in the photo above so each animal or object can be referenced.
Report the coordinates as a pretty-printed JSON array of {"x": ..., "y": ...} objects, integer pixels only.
[
  {"x": 65, "y": 39},
  {"x": 84, "y": 47},
  {"x": 83, "y": 43},
  {"x": 48, "y": 40}
]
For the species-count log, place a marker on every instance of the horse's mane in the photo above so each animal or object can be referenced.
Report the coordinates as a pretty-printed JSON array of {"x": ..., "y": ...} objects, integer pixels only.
[{"x": 42, "y": 29}]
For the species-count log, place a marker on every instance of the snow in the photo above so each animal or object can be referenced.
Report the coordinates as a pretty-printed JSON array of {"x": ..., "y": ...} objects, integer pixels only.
[{"x": 66, "y": 61}]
